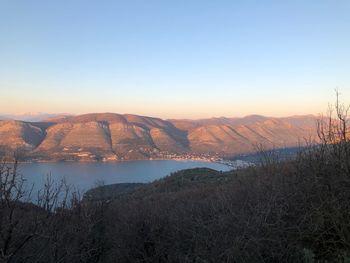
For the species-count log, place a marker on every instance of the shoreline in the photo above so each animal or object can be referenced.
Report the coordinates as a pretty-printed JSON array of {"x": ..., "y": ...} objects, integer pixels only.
[
  {"x": 232, "y": 164},
  {"x": 117, "y": 161}
]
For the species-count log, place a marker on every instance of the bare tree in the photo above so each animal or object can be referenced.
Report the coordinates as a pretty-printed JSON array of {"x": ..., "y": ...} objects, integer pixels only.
[
  {"x": 334, "y": 133},
  {"x": 12, "y": 195}
]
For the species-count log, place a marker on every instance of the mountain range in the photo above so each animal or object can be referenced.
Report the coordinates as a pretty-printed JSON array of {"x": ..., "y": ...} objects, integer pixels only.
[
  {"x": 32, "y": 116},
  {"x": 111, "y": 136}
]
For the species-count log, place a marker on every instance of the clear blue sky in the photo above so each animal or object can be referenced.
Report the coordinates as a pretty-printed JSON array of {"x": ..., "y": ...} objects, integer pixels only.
[{"x": 173, "y": 58}]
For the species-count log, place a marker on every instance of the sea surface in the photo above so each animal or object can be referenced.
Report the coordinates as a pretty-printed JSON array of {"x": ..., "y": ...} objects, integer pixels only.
[{"x": 84, "y": 176}]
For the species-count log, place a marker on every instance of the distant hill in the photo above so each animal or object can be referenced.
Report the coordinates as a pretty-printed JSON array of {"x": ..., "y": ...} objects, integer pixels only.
[
  {"x": 112, "y": 136},
  {"x": 33, "y": 116}
]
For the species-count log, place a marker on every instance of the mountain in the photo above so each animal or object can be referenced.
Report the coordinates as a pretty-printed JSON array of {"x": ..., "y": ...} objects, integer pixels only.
[
  {"x": 110, "y": 136},
  {"x": 15, "y": 134},
  {"x": 240, "y": 135},
  {"x": 33, "y": 116}
]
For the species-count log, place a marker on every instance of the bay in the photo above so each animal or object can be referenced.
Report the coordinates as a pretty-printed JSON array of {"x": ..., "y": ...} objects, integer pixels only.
[{"x": 84, "y": 176}]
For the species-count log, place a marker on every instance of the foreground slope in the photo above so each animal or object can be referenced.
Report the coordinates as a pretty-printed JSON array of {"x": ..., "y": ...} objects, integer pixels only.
[{"x": 294, "y": 210}]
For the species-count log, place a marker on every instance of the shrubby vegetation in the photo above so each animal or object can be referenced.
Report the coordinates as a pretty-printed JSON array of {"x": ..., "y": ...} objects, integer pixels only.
[{"x": 294, "y": 210}]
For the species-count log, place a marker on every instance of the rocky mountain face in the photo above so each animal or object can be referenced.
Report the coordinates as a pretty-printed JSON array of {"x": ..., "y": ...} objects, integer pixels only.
[
  {"x": 18, "y": 134},
  {"x": 110, "y": 136},
  {"x": 242, "y": 135}
]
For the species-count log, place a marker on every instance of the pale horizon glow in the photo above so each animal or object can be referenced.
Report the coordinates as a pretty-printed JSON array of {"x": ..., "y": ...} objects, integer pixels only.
[{"x": 174, "y": 59}]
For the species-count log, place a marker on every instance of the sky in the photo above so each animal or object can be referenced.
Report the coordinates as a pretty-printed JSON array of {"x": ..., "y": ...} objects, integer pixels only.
[{"x": 174, "y": 58}]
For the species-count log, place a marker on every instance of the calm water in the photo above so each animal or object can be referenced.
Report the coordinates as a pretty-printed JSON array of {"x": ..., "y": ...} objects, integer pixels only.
[{"x": 86, "y": 175}]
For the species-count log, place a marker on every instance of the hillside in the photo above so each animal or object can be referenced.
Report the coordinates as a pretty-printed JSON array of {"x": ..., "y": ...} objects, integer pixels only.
[
  {"x": 110, "y": 136},
  {"x": 294, "y": 210},
  {"x": 15, "y": 134}
]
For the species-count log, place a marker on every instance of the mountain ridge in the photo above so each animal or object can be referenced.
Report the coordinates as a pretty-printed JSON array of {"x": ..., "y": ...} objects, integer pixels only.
[{"x": 112, "y": 136}]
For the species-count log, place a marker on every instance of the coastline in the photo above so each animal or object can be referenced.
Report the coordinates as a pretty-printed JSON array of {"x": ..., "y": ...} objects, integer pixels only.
[
  {"x": 117, "y": 161},
  {"x": 232, "y": 164}
]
